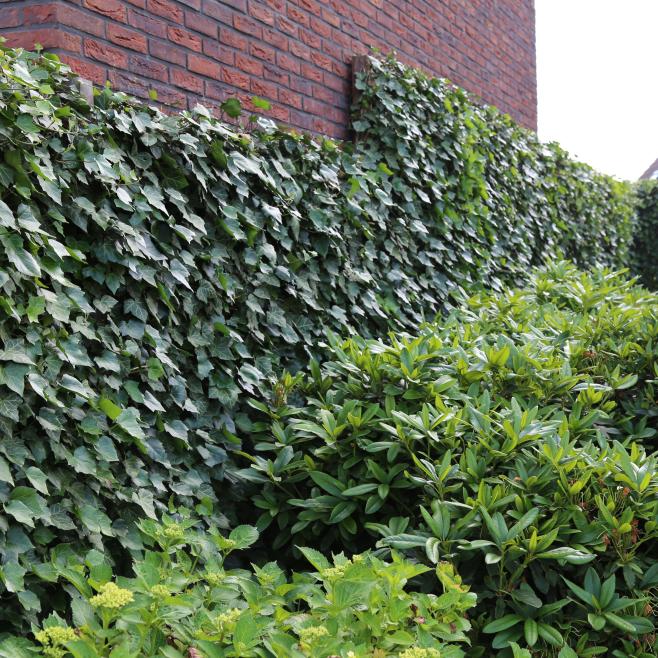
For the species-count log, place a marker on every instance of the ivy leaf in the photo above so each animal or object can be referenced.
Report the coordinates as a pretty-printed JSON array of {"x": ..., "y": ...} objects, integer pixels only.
[
  {"x": 21, "y": 259},
  {"x": 95, "y": 520},
  {"x": 128, "y": 420},
  {"x": 26, "y": 124},
  {"x": 7, "y": 218},
  {"x": 12, "y": 575},
  {"x": 111, "y": 410},
  {"x": 232, "y": 107},
  {"x": 9, "y": 406}
]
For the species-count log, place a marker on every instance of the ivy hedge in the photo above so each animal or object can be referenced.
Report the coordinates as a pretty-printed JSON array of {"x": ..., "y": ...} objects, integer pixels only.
[
  {"x": 158, "y": 270},
  {"x": 643, "y": 257},
  {"x": 501, "y": 199}
]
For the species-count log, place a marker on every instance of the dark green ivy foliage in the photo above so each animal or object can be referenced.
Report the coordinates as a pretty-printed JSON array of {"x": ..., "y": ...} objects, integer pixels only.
[
  {"x": 643, "y": 253},
  {"x": 499, "y": 199},
  {"x": 157, "y": 269}
]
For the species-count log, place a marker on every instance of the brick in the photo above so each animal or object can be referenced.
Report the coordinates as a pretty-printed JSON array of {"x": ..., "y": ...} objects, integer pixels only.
[
  {"x": 92, "y": 71},
  {"x": 310, "y": 6},
  {"x": 165, "y": 51},
  {"x": 287, "y": 63},
  {"x": 203, "y": 66},
  {"x": 265, "y": 89},
  {"x": 167, "y": 9},
  {"x": 296, "y": 52},
  {"x": 217, "y": 90},
  {"x": 249, "y": 65},
  {"x": 129, "y": 83},
  {"x": 219, "y": 52},
  {"x": 114, "y": 9},
  {"x": 300, "y": 50},
  {"x": 279, "y": 113},
  {"x": 320, "y": 27},
  {"x": 186, "y": 80},
  {"x": 263, "y": 52},
  {"x": 334, "y": 50},
  {"x": 148, "y": 68},
  {"x": 102, "y": 52},
  {"x": 147, "y": 23},
  {"x": 248, "y": 26},
  {"x": 310, "y": 72},
  {"x": 275, "y": 74},
  {"x": 260, "y": 13},
  {"x": 171, "y": 97},
  {"x": 185, "y": 38},
  {"x": 218, "y": 10},
  {"x": 321, "y": 61},
  {"x": 310, "y": 39},
  {"x": 239, "y": 5},
  {"x": 336, "y": 83},
  {"x": 75, "y": 17},
  {"x": 288, "y": 97},
  {"x": 288, "y": 27},
  {"x": 276, "y": 39},
  {"x": 301, "y": 120},
  {"x": 236, "y": 79},
  {"x": 278, "y": 5},
  {"x": 68, "y": 41},
  {"x": 38, "y": 14},
  {"x": 126, "y": 38},
  {"x": 302, "y": 85},
  {"x": 233, "y": 39},
  {"x": 298, "y": 16},
  {"x": 202, "y": 24},
  {"x": 11, "y": 18},
  {"x": 331, "y": 17}
]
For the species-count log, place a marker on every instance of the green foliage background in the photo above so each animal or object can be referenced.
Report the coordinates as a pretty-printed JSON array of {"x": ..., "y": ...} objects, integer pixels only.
[
  {"x": 643, "y": 253},
  {"x": 157, "y": 270}
]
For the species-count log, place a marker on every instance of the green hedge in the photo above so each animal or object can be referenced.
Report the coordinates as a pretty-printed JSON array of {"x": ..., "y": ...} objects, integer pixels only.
[
  {"x": 500, "y": 198},
  {"x": 157, "y": 270},
  {"x": 515, "y": 438},
  {"x": 644, "y": 261}
]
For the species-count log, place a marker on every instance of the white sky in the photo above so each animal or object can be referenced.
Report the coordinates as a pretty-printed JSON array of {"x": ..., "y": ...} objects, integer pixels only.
[{"x": 597, "y": 78}]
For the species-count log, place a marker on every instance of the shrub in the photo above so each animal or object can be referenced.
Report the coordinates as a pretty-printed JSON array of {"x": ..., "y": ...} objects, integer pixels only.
[
  {"x": 156, "y": 270},
  {"x": 515, "y": 439},
  {"x": 644, "y": 262},
  {"x": 183, "y": 600}
]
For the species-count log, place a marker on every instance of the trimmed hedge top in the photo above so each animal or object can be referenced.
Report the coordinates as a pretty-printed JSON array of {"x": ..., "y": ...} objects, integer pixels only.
[{"x": 157, "y": 269}]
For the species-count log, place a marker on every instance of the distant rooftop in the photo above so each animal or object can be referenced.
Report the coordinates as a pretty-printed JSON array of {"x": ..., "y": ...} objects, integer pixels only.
[{"x": 651, "y": 172}]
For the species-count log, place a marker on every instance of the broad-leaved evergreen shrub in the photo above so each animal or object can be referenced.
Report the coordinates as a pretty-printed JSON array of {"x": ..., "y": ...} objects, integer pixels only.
[
  {"x": 156, "y": 270},
  {"x": 515, "y": 438},
  {"x": 184, "y": 601}
]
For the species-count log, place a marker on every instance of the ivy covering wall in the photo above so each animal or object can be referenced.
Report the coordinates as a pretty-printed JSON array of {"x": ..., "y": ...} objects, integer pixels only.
[
  {"x": 499, "y": 199},
  {"x": 643, "y": 260},
  {"x": 157, "y": 271}
]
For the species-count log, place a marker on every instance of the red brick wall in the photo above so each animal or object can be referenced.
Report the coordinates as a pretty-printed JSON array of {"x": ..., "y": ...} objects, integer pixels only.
[{"x": 295, "y": 53}]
